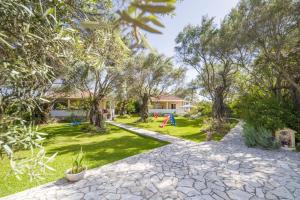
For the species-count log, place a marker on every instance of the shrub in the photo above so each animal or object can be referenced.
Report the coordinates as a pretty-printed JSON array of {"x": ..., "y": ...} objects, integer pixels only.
[
  {"x": 73, "y": 118},
  {"x": 131, "y": 107},
  {"x": 259, "y": 137},
  {"x": 212, "y": 127},
  {"x": 233, "y": 108},
  {"x": 202, "y": 109},
  {"x": 89, "y": 128},
  {"x": 196, "y": 116},
  {"x": 268, "y": 111},
  {"x": 205, "y": 108}
]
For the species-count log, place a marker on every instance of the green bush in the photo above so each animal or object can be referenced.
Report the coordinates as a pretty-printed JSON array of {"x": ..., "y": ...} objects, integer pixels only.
[
  {"x": 233, "y": 108},
  {"x": 259, "y": 137},
  {"x": 205, "y": 108},
  {"x": 267, "y": 111},
  {"x": 131, "y": 107},
  {"x": 201, "y": 109},
  {"x": 216, "y": 127},
  {"x": 93, "y": 129}
]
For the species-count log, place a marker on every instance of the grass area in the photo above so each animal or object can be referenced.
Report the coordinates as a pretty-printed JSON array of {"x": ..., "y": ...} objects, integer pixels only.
[
  {"x": 185, "y": 128},
  {"x": 67, "y": 140}
]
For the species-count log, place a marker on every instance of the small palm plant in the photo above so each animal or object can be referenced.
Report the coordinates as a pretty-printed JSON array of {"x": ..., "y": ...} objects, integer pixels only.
[
  {"x": 77, "y": 171},
  {"x": 78, "y": 166}
]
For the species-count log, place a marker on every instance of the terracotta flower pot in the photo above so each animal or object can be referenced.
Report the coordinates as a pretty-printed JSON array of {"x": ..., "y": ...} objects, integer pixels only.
[{"x": 75, "y": 177}]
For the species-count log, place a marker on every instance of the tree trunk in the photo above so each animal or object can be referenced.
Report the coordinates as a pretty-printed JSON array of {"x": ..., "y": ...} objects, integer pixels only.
[
  {"x": 96, "y": 114},
  {"x": 296, "y": 98},
  {"x": 123, "y": 108},
  {"x": 219, "y": 108},
  {"x": 144, "y": 113},
  {"x": 41, "y": 114}
]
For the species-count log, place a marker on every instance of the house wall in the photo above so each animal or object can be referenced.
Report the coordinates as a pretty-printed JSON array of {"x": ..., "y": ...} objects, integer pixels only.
[
  {"x": 166, "y": 104},
  {"x": 166, "y": 107}
]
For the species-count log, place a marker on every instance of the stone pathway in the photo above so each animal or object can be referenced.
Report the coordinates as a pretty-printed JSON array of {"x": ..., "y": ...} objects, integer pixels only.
[
  {"x": 166, "y": 138},
  {"x": 187, "y": 170}
]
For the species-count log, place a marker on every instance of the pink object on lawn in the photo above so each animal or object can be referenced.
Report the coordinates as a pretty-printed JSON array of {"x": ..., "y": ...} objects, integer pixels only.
[{"x": 165, "y": 121}]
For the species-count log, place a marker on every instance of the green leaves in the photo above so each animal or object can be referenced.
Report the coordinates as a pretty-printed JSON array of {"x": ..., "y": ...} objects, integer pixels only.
[
  {"x": 2, "y": 40},
  {"x": 78, "y": 163},
  {"x": 92, "y": 25},
  {"x": 144, "y": 15},
  {"x": 259, "y": 137},
  {"x": 138, "y": 23},
  {"x": 153, "y": 19},
  {"x": 156, "y": 8},
  {"x": 49, "y": 11}
]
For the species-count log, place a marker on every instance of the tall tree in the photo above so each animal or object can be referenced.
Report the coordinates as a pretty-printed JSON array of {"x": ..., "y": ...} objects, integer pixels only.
[
  {"x": 101, "y": 59},
  {"x": 151, "y": 75},
  {"x": 273, "y": 29},
  {"x": 211, "y": 52},
  {"x": 124, "y": 91}
]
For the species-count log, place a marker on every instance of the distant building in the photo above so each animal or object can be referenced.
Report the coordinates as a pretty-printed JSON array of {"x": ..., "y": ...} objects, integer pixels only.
[
  {"x": 75, "y": 104},
  {"x": 168, "y": 104}
]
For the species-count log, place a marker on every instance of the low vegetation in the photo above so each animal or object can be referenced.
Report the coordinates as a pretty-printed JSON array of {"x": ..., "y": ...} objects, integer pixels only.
[{"x": 259, "y": 137}]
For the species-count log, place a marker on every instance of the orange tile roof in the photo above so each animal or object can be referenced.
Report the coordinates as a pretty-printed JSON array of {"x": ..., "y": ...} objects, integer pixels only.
[{"x": 166, "y": 98}]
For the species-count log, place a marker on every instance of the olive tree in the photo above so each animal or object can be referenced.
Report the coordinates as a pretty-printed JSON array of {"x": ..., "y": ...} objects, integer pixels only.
[
  {"x": 34, "y": 46},
  {"x": 151, "y": 75},
  {"x": 213, "y": 54},
  {"x": 98, "y": 67},
  {"x": 272, "y": 29}
]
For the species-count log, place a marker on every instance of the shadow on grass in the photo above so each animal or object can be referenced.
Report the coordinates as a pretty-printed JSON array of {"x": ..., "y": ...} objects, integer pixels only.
[
  {"x": 99, "y": 148},
  {"x": 69, "y": 132},
  {"x": 109, "y": 150}
]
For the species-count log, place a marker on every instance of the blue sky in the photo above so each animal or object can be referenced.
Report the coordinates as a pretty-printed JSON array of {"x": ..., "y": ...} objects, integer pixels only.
[{"x": 188, "y": 12}]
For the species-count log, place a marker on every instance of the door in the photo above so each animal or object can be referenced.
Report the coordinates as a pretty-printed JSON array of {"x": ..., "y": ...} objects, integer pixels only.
[{"x": 173, "y": 106}]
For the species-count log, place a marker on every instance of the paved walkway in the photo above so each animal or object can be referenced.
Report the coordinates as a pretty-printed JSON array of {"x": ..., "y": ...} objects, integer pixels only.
[
  {"x": 166, "y": 138},
  {"x": 187, "y": 170}
]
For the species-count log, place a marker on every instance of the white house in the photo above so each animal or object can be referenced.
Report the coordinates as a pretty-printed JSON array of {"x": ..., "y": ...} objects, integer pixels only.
[
  {"x": 168, "y": 104},
  {"x": 68, "y": 104}
]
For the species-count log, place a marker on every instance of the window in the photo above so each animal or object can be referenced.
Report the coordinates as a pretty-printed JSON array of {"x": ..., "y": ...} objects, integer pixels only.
[{"x": 173, "y": 106}]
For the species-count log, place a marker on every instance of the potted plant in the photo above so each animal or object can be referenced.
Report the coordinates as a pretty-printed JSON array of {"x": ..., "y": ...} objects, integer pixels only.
[{"x": 78, "y": 170}]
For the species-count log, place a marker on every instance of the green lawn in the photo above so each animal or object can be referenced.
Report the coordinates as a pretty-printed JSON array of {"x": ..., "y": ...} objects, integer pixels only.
[
  {"x": 185, "y": 128},
  {"x": 67, "y": 141}
]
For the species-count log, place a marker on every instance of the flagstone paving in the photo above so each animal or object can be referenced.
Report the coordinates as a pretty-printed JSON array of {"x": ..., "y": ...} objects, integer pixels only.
[
  {"x": 148, "y": 133},
  {"x": 187, "y": 170}
]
